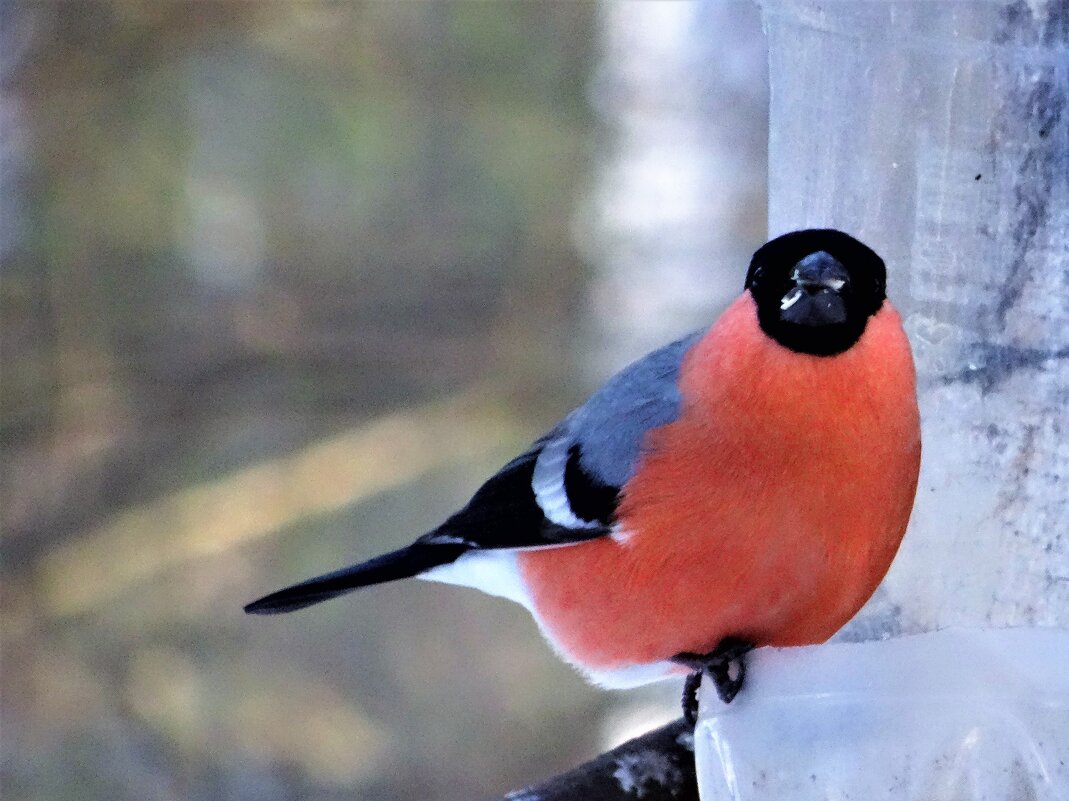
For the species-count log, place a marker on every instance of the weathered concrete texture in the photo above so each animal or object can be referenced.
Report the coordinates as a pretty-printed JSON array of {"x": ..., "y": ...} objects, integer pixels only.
[{"x": 938, "y": 133}]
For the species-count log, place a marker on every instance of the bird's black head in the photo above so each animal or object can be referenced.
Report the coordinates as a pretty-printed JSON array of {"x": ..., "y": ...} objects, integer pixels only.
[{"x": 816, "y": 289}]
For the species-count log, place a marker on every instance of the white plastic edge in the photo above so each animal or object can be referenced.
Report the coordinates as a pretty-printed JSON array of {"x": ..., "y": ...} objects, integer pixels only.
[{"x": 952, "y": 715}]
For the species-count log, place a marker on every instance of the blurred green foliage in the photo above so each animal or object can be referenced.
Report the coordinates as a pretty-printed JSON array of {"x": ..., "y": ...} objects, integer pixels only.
[{"x": 248, "y": 228}]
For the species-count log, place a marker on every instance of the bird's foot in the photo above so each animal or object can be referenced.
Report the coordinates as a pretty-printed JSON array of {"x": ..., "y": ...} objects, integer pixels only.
[
  {"x": 690, "y": 697},
  {"x": 725, "y": 664}
]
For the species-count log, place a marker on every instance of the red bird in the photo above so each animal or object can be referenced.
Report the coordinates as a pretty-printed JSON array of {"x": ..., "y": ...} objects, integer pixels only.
[{"x": 746, "y": 485}]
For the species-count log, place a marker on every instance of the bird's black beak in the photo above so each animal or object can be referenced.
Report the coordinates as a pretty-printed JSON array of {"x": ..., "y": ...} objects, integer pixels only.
[{"x": 818, "y": 295}]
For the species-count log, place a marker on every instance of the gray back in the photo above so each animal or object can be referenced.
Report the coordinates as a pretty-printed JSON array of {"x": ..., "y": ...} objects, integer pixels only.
[{"x": 611, "y": 425}]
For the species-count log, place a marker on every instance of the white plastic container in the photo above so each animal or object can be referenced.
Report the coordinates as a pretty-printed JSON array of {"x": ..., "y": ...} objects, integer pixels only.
[{"x": 955, "y": 715}]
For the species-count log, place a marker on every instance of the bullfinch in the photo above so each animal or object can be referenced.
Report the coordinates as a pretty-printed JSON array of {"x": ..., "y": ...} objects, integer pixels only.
[{"x": 746, "y": 485}]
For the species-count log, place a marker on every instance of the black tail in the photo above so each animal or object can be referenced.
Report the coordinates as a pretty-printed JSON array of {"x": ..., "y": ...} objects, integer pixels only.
[{"x": 399, "y": 564}]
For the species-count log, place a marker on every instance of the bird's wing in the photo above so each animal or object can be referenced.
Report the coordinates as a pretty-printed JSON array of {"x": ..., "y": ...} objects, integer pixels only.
[
  {"x": 565, "y": 488},
  {"x": 562, "y": 490}
]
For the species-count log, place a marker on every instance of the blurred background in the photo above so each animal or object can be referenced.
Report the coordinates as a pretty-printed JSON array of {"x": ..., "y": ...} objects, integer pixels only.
[{"x": 280, "y": 284}]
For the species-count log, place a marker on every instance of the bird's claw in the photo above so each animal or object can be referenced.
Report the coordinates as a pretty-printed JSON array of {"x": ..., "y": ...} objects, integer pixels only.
[
  {"x": 725, "y": 664},
  {"x": 690, "y": 697}
]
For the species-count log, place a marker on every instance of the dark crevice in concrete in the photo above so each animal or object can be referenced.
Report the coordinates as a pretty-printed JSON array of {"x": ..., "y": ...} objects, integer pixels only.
[
  {"x": 1030, "y": 116},
  {"x": 991, "y": 364}
]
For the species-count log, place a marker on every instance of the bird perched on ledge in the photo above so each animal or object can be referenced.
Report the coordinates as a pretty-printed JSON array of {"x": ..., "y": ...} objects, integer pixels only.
[{"x": 746, "y": 485}]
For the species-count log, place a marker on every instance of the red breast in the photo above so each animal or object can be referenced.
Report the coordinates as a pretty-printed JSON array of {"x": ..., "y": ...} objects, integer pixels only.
[{"x": 769, "y": 510}]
